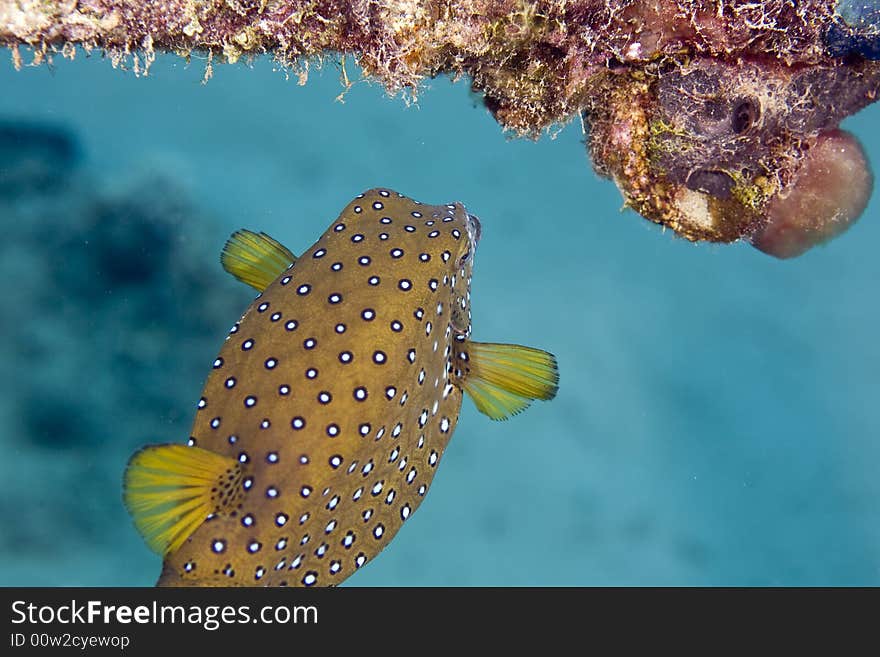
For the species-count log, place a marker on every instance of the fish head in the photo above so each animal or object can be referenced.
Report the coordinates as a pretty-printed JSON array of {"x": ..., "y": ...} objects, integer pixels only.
[
  {"x": 727, "y": 150},
  {"x": 461, "y": 271},
  {"x": 434, "y": 244}
]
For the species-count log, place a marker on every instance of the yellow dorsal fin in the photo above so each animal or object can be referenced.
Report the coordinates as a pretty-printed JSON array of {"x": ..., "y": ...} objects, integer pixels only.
[
  {"x": 503, "y": 379},
  {"x": 169, "y": 490},
  {"x": 255, "y": 258}
]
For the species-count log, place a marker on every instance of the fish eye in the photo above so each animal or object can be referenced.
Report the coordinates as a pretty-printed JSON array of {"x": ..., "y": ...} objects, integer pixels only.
[{"x": 464, "y": 258}]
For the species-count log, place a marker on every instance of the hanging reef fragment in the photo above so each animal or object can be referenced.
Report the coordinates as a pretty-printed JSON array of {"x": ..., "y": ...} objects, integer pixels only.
[{"x": 716, "y": 119}]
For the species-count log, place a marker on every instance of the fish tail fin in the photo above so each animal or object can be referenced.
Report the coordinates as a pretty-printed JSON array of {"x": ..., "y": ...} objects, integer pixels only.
[
  {"x": 170, "y": 490},
  {"x": 255, "y": 258},
  {"x": 503, "y": 379}
]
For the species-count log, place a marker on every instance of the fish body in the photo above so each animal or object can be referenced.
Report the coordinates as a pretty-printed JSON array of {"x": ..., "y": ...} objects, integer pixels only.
[{"x": 327, "y": 411}]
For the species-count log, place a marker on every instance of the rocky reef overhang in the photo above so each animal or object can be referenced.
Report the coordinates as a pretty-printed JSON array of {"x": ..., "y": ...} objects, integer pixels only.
[{"x": 716, "y": 119}]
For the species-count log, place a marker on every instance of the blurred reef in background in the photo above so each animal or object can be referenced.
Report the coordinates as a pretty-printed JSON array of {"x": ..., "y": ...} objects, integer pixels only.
[{"x": 113, "y": 286}]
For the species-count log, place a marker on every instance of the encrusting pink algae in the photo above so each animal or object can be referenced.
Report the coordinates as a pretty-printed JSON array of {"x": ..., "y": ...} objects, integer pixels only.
[{"x": 716, "y": 119}]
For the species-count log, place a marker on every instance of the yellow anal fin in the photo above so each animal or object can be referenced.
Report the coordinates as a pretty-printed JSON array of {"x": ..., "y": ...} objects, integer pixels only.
[
  {"x": 169, "y": 490},
  {"x": 503, "y": 379},
  {"x": 255, "y": 258}
]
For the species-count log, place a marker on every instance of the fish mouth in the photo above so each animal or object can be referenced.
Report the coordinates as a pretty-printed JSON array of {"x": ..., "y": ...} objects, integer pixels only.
[
  {"x": 458, "y": 330},
  {"x": 474, "y": 229}
]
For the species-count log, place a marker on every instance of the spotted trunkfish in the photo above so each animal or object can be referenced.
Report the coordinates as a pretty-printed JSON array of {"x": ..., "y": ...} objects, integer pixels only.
[{"x": 327, "y": 411}]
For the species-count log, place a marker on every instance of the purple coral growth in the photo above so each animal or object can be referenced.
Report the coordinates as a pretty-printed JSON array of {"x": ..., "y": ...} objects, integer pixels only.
[{"x": 703, "y": 113}]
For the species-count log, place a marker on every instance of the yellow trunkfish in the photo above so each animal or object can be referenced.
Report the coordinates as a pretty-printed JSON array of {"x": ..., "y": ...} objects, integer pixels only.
[{"x": 329, "y": 406}]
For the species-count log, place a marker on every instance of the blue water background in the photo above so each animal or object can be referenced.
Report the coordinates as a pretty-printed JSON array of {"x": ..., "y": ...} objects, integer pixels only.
[{"x": 717, "y": 420}]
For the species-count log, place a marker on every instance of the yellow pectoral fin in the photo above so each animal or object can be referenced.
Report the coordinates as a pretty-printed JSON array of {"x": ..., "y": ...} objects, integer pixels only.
[
  {"x": 503, "y": 379},
  {"x": 255, "y": 258},
  {"x": 169, "y": 490}
]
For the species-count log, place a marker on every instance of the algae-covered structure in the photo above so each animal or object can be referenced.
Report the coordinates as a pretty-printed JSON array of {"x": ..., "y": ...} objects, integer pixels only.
[{"x": 716, "y": 119}]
